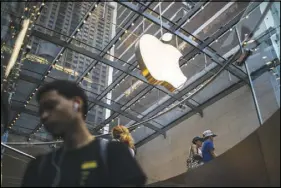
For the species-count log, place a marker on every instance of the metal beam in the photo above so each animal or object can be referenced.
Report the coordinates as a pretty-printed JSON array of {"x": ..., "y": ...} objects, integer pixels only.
[
  {"x": 113, "y": 107},
  {"x": 214, "y": 56},
  {"x": 17, "y": 151}
]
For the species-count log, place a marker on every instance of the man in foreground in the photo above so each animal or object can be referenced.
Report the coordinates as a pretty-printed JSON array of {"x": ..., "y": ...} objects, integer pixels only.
[
  {"x": 208, "y": 149},
  {"x": 83, "y": 160}
]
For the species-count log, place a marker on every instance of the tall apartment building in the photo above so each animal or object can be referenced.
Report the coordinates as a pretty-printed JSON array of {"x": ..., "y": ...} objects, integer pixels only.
[{"x": 63, "y": 17}]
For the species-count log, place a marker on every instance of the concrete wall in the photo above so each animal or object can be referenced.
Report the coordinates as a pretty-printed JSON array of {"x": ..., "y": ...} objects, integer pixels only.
[{"x": 232, "y": 118}]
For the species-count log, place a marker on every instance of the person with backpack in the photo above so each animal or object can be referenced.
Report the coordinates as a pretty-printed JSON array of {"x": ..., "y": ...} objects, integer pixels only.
[
  {"x": 121, "y": 133},
  {"x": 195, "y": 154},
  {"x": 83, "y": 160}
]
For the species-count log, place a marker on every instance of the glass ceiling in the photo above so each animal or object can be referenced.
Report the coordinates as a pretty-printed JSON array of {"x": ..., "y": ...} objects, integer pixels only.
[{"x": 108, "y": 70}]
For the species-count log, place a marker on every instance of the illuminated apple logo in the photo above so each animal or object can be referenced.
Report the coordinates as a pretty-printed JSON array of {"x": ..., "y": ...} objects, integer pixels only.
[{"x": 159, "y": 62}]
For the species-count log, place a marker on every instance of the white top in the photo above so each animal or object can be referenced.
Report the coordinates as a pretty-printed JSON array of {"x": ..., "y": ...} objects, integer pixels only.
[{"x": 200, "y": 151}]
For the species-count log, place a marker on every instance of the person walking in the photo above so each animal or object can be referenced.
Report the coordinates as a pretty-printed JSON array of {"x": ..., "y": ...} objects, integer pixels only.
[
  {"x": 121, "y": 133},
  {"x": 208, "y": 149},
  {"x": 81, "y": 161},
  {"x": 195, "y": 154}
]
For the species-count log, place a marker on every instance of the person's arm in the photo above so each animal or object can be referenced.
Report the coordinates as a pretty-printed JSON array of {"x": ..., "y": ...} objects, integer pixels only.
[
  {"x": 194, "y": 149},
  {"x": 30, "y": 178},
  {"x": 212, "y": 149},
  {"x": 123, "y": 168}
]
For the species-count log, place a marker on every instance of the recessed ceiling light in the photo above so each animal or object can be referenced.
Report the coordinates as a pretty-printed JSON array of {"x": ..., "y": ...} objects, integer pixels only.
[{"x": 264, "y": 57}]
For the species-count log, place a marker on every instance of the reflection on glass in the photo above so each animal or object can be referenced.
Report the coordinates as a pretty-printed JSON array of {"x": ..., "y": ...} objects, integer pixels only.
[{"x": 265, "y": 58}]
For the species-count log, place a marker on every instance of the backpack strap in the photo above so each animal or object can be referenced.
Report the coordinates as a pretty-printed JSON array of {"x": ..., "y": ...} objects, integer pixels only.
[{"x": 103, "y": 151}]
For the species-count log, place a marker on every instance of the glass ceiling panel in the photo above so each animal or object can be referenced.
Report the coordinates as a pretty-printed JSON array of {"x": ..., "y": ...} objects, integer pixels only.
[
  {"x": 122, "y": 18},
  {"x": 174, "y": 114},
  {"x": 26, "y": 123},
  {"x": 247, "y": 24},
  {"x": 195, "y": 24},
  {"x": 139, "y": 115},
  {"x": 152, "y": 98},
  {"x": 23, "y": 89},
  {"x": 226, "y": 43},
  {"x": 127, "y": 89},
  {"x": 141, "y": 133},
  {"x": 195, "y": 65},
  {"x": 224, "y": 80},
  {"x": 223, "y": 16}
]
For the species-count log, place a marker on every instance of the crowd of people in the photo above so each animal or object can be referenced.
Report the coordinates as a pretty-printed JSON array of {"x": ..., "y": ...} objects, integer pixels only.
[{"x": 202, "y": 150}]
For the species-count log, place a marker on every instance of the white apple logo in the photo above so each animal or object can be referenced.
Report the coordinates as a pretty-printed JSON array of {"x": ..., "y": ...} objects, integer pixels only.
[{"x": 159, "y": 62}]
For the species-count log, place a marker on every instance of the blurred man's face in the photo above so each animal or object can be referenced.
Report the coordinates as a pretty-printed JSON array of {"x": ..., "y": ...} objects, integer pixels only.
[{"x": 56, "y": 113}]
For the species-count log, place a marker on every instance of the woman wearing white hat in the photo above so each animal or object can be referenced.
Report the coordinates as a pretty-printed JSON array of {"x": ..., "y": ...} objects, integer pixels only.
[{"x": 208, "y": 149}]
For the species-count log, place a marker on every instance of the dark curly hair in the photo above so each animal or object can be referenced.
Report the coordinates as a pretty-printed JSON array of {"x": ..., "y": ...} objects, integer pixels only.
[{"x": 66, "y": 88}]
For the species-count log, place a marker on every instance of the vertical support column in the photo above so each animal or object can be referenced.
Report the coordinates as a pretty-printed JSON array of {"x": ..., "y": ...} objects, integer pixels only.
[
  {"x": 250, "y": 80},
  {"x": 110, "y": 69},
  {"x": 272, "y": 20},
  {"x": 269, "y": 21}
]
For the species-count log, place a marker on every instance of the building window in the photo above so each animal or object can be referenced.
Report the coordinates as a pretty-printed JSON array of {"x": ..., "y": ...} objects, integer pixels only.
[
  {"x": 94, "y": 86},
  {"x": 67, "y": 65}
]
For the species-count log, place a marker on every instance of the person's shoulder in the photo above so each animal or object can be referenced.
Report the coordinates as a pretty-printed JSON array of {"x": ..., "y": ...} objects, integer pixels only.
[
  {"x": 206, "y": 143},
  {"x": 114, "y": 144}
]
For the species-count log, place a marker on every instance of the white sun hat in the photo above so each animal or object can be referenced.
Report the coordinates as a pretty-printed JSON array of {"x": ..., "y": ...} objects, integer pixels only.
[{"x": 208, "y": 133}]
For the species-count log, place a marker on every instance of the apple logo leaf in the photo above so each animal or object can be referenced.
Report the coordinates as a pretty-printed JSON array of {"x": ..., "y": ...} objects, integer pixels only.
[{"x": 159, "y": 62}]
